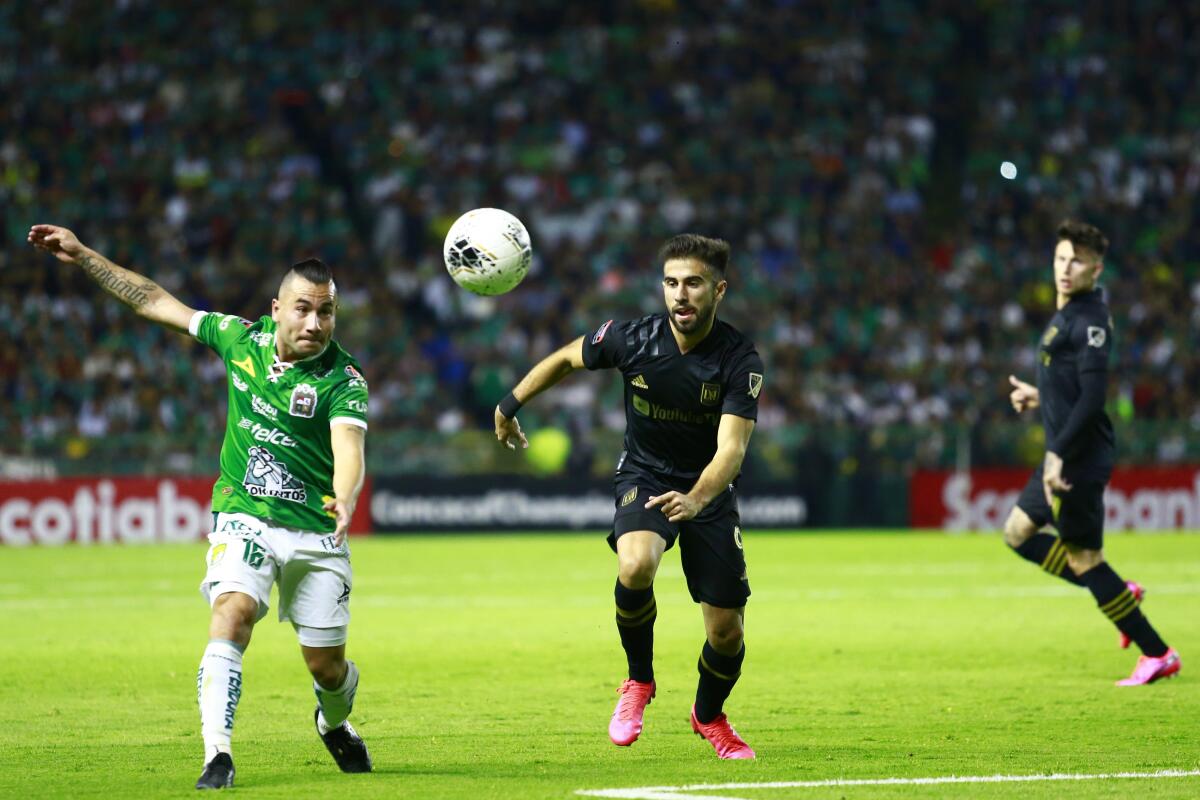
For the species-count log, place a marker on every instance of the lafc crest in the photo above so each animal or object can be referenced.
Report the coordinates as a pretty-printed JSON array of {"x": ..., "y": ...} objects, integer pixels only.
[
  {"x": 629, "y": 497},
  {"x": 755, "y": 384},
  {"x": 710, "y": 393}
]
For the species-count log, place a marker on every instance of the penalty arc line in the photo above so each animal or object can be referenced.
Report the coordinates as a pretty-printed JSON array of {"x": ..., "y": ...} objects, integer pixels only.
[{"x": 686, "y": 792}]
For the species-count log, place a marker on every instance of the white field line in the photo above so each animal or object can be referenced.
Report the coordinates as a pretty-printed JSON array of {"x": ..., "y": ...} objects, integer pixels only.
[{"x": 687, "y": 792}]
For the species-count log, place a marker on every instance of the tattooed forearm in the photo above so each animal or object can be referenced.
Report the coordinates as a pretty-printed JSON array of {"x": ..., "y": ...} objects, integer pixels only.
[{"x": 128, "y": 287}]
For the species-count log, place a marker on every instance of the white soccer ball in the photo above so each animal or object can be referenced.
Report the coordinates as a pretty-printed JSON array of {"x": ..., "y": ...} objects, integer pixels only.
[{"x": 487, "y": 251}]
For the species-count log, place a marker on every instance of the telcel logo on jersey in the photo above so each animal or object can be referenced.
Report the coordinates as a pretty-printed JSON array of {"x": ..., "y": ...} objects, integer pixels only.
[
  {"x": 264, "y": 434},
  {"x": 264, "y": 408}
]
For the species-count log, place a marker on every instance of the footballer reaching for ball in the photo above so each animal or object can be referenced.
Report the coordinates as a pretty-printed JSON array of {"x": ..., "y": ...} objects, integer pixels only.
[
  {"x": 691, "y": 398},
  {"x": 291, "y": 471}
]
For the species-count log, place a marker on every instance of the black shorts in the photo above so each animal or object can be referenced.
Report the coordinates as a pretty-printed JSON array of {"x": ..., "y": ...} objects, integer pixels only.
[
  {"x": 710, "y": 546},
  {"x": 1079, "y": 517}
]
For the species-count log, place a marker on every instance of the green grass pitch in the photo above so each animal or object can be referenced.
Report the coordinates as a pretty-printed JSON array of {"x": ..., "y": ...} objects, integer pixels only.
[{"x": 489, "y": 665}]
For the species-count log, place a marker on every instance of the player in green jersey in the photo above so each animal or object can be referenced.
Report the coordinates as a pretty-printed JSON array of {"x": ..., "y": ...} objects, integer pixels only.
[{"x": 292, "y": 468}]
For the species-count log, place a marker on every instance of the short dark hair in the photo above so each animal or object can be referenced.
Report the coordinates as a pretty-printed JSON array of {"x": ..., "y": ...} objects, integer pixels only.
[
  {"x": 1082, "y": 235},
  {"x": 713, "y": 253},
  {"x": 313, "y": 270}
]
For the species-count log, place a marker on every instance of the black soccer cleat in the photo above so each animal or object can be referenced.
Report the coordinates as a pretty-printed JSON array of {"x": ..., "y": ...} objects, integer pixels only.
[
  {"x": 346, "y": 746},
  {"x": 218, "y": 773}
]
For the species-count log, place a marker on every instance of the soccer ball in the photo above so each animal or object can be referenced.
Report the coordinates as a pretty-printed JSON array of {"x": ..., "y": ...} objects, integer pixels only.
[{"x": 487, "y": 251}]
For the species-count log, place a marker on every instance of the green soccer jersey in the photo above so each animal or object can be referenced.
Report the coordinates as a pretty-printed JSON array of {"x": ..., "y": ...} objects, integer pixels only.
[{"x": 277, "y": 460}]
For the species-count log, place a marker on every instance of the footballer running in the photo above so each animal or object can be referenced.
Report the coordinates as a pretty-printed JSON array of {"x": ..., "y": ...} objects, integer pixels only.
[
  {"x": 692, "y": 384},
  {"x": 1067, "y": 490}
]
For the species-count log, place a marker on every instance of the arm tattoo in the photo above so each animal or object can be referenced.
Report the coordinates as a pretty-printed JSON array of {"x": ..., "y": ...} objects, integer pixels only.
[{"x": 131, "y": 289}]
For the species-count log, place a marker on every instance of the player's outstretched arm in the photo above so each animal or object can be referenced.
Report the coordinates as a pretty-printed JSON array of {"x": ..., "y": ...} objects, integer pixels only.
[
  {"x": 143, "y": 295},
  {"x": 733, "y": 437},
  {"x": 1024, "y": 395},
  {"x": 349, "y": 469},
  {"x": 547, "y": 372}
]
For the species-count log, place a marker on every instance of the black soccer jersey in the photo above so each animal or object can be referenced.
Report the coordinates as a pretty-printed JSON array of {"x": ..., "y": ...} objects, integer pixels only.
[
  {"x": 1072, "y": 377},
  {"x": 674, "y": 401}
]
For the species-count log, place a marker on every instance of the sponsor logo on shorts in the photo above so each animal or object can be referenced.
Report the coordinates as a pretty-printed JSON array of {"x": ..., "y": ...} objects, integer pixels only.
[
  {"x": 345, "y": 596},
  {"x": 710, "y": 394},
  {"x": 264, "y": 408},
  {"x": 216, "y": 553},
  {"x": 304, "y": 401},
  {"x": 629, "y": 497},
  {"x": 267, "y": 476},
  {"x": 238, "y": 383},
  {"x": 235, "y": 525}
]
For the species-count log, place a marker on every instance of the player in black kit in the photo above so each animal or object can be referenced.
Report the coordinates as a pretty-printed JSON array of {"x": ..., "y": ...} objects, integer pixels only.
[
  {"x": 1067, "y": 491},
  {"x": 691, "y": 398}
]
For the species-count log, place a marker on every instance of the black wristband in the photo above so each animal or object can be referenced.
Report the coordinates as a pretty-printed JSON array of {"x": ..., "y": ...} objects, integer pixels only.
[{"x": 510, "y": 405}]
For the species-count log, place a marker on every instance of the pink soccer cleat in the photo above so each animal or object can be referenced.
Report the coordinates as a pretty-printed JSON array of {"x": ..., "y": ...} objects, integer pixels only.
[
  {"x": 721, "y": 735},
  {"x": 1150, "y": 669},
  {"x": 1138, "y": 593},
  {"x": 626, "y": 723}
]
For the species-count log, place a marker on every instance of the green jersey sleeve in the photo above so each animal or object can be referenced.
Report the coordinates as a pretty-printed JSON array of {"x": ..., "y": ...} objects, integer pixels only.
[
  {"x": 218, "y": 331},
  {"x": 349, "y": 403}
]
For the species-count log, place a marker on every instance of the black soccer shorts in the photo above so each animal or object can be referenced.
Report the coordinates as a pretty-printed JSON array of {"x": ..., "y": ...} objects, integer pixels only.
[
  {"x": 1079, "y": 516},
  {"x": 710, "y": 546}
]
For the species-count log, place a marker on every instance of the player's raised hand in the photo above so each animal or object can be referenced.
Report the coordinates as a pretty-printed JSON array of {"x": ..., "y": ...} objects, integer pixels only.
[
  {"x": 1052, "y": 479},
  {"x": 1024, "y": 395},
  {"x": 57, "y": 241},
  {"x": 678, "y": 507},
  {"x": 508, "y": 431},
  {"x": 342, "y": 512}
]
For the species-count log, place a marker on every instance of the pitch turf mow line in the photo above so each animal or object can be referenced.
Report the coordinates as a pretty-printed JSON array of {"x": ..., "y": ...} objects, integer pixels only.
[{"x": 685, "y": 792}]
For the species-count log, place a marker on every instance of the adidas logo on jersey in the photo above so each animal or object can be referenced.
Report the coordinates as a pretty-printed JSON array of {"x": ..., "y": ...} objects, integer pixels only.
[{"x": 639, "y": 383}]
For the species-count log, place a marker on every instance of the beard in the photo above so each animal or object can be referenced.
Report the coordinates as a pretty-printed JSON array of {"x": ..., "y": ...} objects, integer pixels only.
[{"x": 700, "y": 319}]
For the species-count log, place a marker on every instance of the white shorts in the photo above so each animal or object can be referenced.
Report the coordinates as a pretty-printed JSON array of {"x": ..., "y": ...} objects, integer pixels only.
[{"x": 248, "y": 554}]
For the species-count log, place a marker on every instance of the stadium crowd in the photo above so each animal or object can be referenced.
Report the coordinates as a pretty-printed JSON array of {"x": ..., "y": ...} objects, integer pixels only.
[{"x": 887, "y": 271}]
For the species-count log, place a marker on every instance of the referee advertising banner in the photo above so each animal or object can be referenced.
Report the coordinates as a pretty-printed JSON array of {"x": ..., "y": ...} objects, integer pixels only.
[{"x": 512, "y": 503}]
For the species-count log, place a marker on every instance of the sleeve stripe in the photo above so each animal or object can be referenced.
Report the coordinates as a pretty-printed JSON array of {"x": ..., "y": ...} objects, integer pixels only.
[
  {"x": 358, "y": 423},
  {"x": 194, "y": 325}
]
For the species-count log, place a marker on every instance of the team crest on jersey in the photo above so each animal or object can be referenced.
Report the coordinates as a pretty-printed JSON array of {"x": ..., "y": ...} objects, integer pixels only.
[
  {"x": 629, "y": 497},
  {"x": 599, "y": 337},
  {"x": 267, "y": 476},
  {"x": 755, "y": 384},
  {"x": 304, "y": 401},
  {"x": 710, "y": 394},
  {"x": 1097, "y": 336}
]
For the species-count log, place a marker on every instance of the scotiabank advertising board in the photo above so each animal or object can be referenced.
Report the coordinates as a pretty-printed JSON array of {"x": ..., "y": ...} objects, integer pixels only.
[
  {"x": 114, "y": 511},
  {"x": 1138, "y": 499}
]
